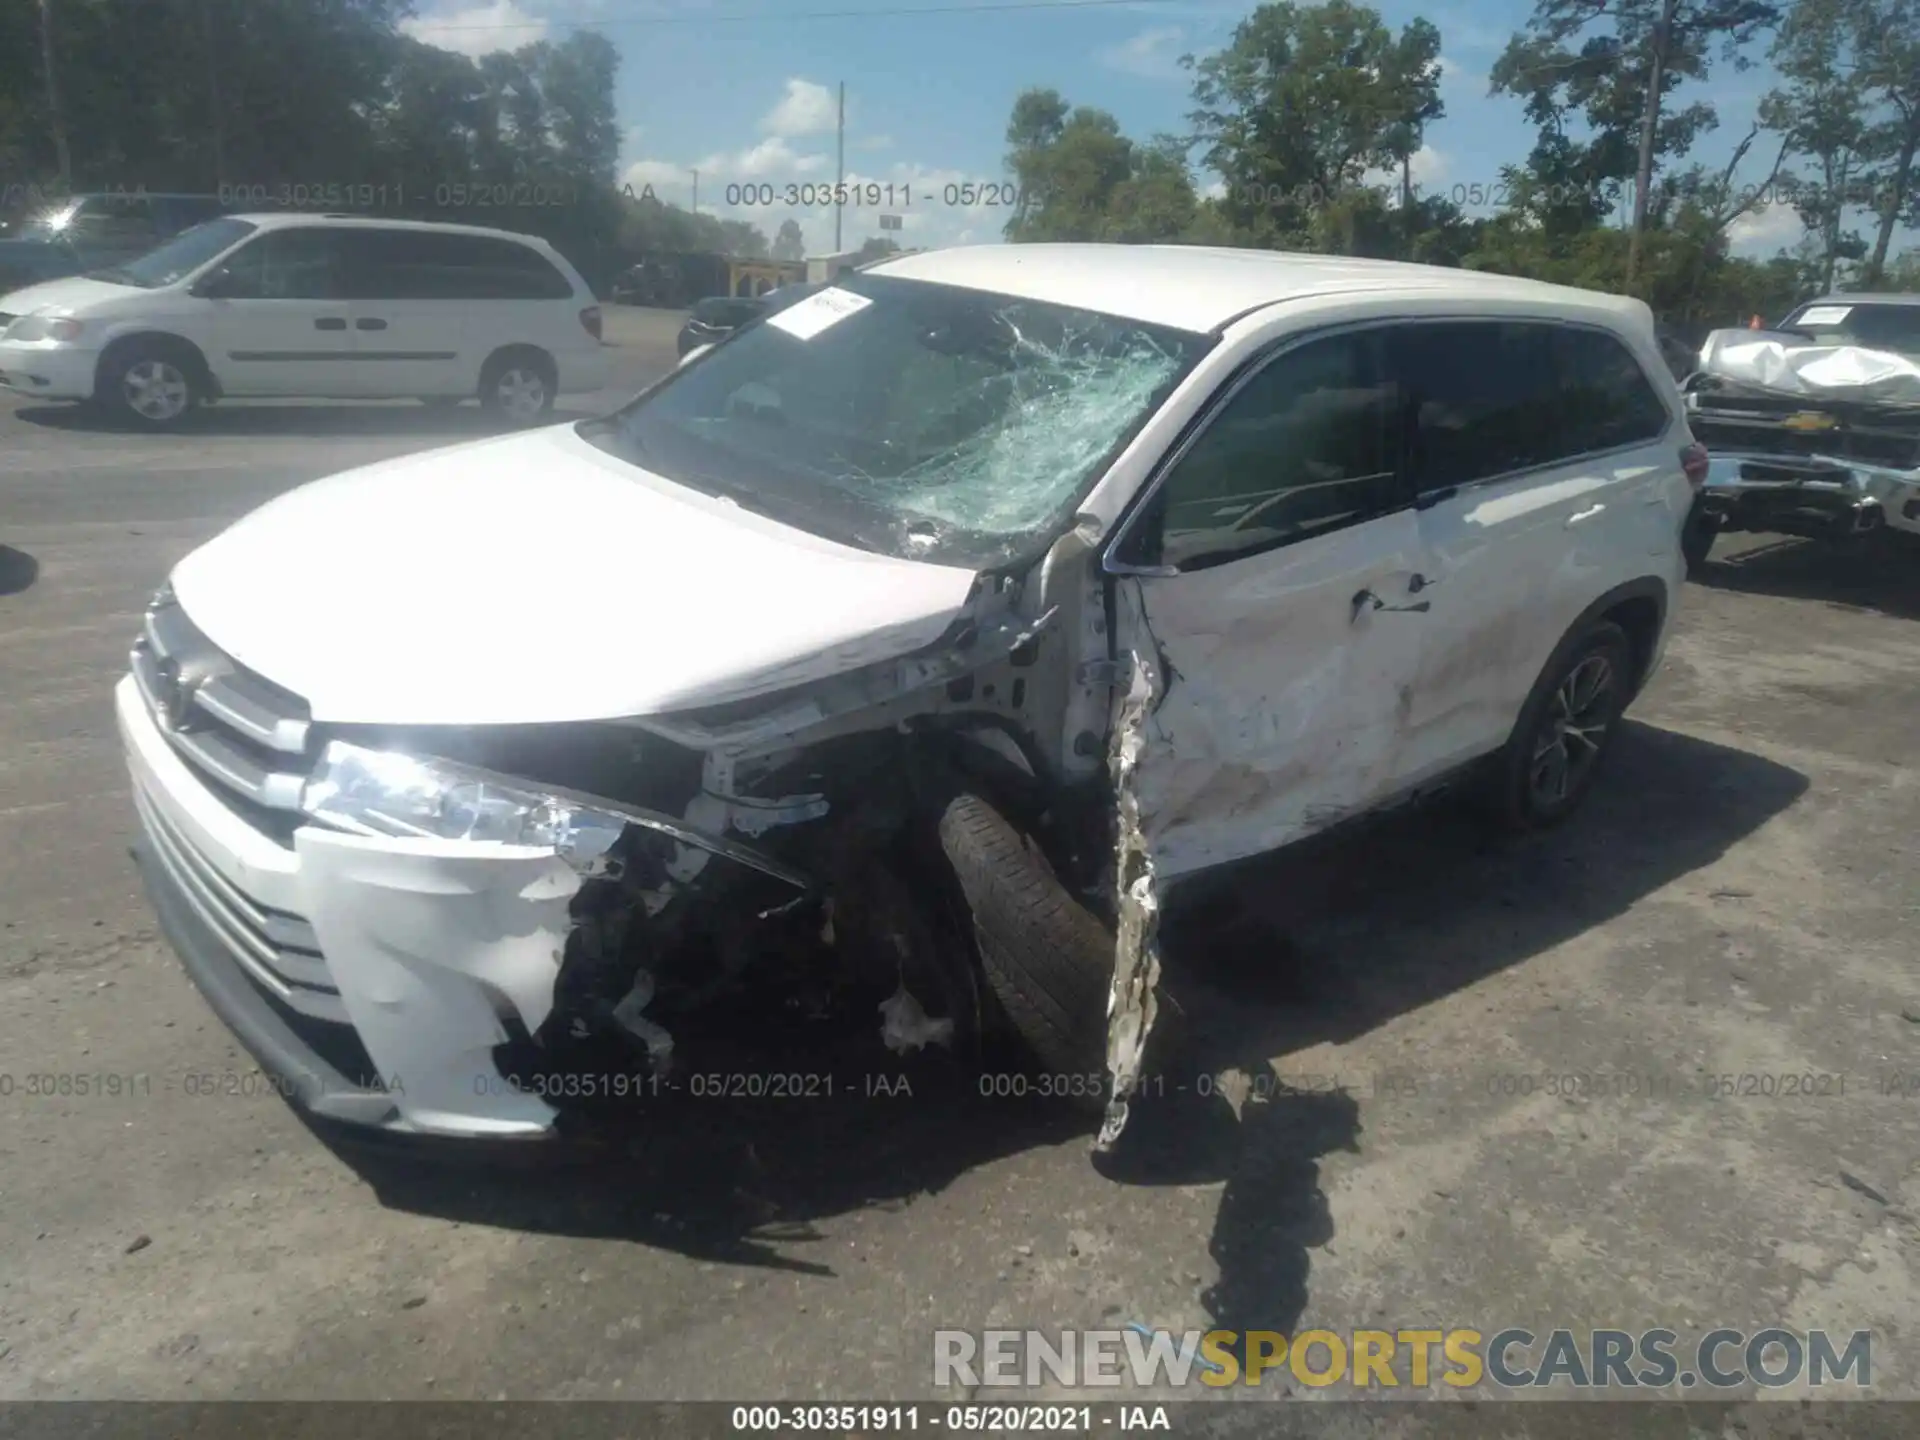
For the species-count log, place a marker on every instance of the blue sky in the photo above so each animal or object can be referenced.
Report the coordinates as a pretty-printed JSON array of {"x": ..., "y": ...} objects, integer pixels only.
[{"x": 751, "y": 100}]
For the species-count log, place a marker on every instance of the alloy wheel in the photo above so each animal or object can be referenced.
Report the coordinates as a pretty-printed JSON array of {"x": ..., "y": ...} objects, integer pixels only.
[{"x": 1568, "y": 742}]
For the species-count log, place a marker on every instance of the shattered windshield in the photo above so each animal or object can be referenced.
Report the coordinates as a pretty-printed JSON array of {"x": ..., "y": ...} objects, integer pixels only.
[{"x": 920, "y": 421}]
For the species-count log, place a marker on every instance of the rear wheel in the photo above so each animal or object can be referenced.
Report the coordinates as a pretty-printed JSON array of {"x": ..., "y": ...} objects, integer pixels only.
[
  {"x": 518, "y": 386},
  {"x": 1565, "y": 729},
  {"x": 1047, "y": 959}
]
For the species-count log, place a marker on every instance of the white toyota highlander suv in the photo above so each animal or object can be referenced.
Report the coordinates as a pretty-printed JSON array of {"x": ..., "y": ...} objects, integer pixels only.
[
  {"x": 326, "y": 306},
  {"x": 906, "y": 645}
]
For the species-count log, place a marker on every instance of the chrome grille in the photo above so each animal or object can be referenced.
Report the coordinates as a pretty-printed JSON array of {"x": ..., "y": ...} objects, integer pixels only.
[{"x": 247, "y": 737}]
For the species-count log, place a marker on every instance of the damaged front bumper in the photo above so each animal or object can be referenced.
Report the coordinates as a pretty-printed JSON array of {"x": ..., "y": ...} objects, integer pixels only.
[
  {"x": 1813, "y": 496},
  {"x": 373, "y": 977}
]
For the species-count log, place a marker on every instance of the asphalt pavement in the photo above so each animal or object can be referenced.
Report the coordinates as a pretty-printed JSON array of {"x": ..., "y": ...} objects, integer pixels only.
[{"x": 1551, "y": 1083}]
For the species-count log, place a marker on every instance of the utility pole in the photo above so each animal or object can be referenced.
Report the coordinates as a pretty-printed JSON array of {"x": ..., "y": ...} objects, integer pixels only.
[
  {"x": 55, "y": 118},
  {"x": 840, "y": 168}
]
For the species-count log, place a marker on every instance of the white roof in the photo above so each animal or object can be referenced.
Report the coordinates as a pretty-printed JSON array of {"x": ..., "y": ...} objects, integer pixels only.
[
  {"x": 279, "y": 219},
  {"x": 1200, "y": 288}
]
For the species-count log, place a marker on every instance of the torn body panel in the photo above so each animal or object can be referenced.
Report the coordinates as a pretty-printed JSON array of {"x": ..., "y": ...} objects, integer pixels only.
[{"x": 1134, "y": 1001}]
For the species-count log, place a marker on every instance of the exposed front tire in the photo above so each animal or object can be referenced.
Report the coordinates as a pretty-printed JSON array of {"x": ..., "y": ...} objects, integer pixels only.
[
  {"x": 148, "y": 384},
  {"x": 1565, "y": 729},
  {"x": 1047, "y": 959},
  {"x": 518, "y": 386}
]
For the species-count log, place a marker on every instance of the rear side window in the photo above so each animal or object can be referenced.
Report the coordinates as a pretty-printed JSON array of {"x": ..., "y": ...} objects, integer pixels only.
[
  {"x": 1607, "y": 397},
  {"x": 432, "y": 265},
  {"x": 1484, "y": 399}
]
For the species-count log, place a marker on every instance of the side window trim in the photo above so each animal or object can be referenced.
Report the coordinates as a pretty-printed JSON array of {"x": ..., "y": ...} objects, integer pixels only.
[
  {"x": 1216, "y": 405},
  {"x": 1448, "y": 492}
]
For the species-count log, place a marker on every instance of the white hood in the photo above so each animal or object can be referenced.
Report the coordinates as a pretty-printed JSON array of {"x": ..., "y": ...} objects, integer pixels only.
[
  {"x": 64, "y": 297},
  {"x": 536, "y": 579}
]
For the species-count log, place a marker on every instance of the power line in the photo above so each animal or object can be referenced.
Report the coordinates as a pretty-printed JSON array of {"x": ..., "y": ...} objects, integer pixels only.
[{"x": 994, "y": 7}]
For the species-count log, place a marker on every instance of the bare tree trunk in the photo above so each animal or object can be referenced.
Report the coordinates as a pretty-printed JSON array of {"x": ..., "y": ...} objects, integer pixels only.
[
  {"x": 216, "y": 107},
  {"x": 56, "y": 118},
  {"x": 1406, "y": 201},
  {"x": 1830, "y": 230},
  {"x": 1890, "y": 203},
  {"x": 1649, "y": 130}
]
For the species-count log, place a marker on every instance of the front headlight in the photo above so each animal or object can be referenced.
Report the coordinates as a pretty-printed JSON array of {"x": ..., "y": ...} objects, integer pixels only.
[
  {"x": 382, "y": 793},
  {"x": 59, "y": 329}
]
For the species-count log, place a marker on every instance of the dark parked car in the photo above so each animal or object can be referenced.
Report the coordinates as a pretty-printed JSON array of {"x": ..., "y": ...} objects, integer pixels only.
[
  {"x": 93, "y": 232},
  {"x": 716, "y": 318}
]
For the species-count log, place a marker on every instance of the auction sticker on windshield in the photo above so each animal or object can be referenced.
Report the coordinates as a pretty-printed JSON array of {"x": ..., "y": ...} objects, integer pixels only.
[
  {"x": 815, "y": 313},
  {"x": 1826, "y": 315}
]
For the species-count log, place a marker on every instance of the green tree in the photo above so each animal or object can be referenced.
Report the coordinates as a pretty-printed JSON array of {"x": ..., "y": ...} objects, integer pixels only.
[
  {"x": 789, "y": 243},
  {"x": 1066, "y": 165},
  {"x": 1303, "y": 102},
  {"x": 1629, "y": 57},
  {"x": 1886, "y": 43},
  {"x": 1819, "y": 112}
]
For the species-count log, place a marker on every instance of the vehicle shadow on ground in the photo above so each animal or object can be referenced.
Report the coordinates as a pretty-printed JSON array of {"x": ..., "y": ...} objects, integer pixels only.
[
  {"x": 1315, "y": 945},
  {"x": 318, "y": 422},
  {"x": 18, "y": 570},
  {"x": 1878, "y": 573}
]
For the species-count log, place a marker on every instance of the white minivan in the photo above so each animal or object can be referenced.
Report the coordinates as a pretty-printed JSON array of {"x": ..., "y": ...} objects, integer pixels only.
[
  {"x": 320, "y": 306},
  {"x": 893, "y": 654}
]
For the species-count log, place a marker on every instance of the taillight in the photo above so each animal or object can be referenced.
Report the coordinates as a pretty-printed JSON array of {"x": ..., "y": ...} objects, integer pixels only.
[
  {"x": 590, "y": 317},
  {"x": 1693, "y": 460}
]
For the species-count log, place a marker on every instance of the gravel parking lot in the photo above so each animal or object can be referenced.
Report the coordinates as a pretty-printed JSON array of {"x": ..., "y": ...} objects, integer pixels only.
[{"x": 1659, "y": 1068}]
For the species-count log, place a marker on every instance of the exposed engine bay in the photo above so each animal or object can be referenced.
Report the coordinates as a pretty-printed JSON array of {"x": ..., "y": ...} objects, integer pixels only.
[{"x": 783, "y": 864}]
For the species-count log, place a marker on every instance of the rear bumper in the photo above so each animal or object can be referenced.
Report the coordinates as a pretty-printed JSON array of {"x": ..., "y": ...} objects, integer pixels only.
[
  {"x": 1816, "y": 497},
  {"x": 41, "y": 371}
]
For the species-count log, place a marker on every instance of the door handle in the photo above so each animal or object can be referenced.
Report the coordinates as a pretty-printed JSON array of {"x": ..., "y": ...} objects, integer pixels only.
[
  {"x": 1580, "y": 517},
  {"x": 369, "y": 323},
  {"x": 1367, "y": 599},
  {"x": 330, "y": 322}
]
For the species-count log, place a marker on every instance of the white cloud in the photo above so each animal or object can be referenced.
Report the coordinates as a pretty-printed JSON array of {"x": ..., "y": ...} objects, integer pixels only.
[
  {"x": 773, "y": 161},
  {"x": 1463, "y": 77},
  {"x": 670, "y": 182},
  {"x": 1153, "y": 54},
  {"x": 1215, "y": 189},
  {"x": 1428, "y": 166},
  {"x": 1766, "y": 228},
  {"x": 806, "y": 109},
  {"x": 478, "y": 29}
]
